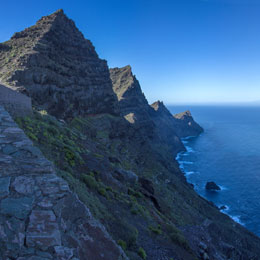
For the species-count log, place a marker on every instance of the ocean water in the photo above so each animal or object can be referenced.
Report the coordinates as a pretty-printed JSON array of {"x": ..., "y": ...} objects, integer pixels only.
[{"x": 228, "y": 153}]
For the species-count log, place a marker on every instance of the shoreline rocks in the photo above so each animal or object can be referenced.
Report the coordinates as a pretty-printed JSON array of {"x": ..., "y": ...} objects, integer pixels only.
[{"x": 212, "y": 186}]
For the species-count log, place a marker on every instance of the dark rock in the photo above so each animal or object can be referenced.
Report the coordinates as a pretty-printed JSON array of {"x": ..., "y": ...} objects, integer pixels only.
[
  {"x": 136, "y": 110},
  {"x": 147, "y": 185},
  {"x": 63, "y": 252},
  {"x": 43, "y": 231},
  {"x": 186, "y": 126},
  {"x": 125, "y": 176},
  {"x": 182, "y": 124},
  {"x": 222, "y": 207},
  {"x": 4, "y": 186},
  {"x": 211, "y": 185},
  {"x": 23, "y": 185},
  {"x": 18, "y": 208},
  {"x": 58, "y": 68}
]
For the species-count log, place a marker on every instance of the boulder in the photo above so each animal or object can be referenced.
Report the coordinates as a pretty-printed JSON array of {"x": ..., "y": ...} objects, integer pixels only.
[{"x": 211, "y": 185}]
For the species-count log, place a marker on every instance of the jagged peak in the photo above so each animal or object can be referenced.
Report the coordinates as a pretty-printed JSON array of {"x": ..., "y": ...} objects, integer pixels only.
[
  {"x": 124, "y": 80},
  {"x": 157, "y": 105},
  {"x": 123, "y": 70},
  {"x": 58, "y": 21},
  {"x": 186, "y": 113},
  {"x": 59, "y": 14}
]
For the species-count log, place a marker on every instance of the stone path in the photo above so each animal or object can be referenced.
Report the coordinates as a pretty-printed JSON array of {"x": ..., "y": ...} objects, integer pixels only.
[{"x": 40, "y": 218}]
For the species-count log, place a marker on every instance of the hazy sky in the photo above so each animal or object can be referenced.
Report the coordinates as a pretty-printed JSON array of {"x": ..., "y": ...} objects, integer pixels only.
[{"x": 182, "y": 51}]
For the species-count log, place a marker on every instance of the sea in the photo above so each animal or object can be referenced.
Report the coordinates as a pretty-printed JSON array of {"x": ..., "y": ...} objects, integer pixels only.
[{"x": 228, "y": 153}]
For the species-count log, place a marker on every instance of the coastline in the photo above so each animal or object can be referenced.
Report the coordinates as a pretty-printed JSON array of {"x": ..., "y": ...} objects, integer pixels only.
[{"x": 182, "y": 162}]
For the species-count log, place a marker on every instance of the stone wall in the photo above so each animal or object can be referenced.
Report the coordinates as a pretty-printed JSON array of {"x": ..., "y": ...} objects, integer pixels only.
[
  {"x": 40, "y": 218},
  {"x": 15, "y": 103}
]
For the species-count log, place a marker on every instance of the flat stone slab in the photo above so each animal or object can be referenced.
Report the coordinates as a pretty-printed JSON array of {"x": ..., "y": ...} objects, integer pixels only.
[
  {"x": 18, "y": 208},
  {"x": 43, "y": 231},
  {"x": 4, "y": 186},
  {"x": 24, "y": 185}
]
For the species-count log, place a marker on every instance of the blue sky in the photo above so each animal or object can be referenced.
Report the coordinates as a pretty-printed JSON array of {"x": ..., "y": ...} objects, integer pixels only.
[{"x": 182, "y": 51}]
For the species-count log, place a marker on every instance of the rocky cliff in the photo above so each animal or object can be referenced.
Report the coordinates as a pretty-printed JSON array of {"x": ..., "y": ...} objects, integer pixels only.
[
  {"x": 135, "y": 108},
  {"x": 58, "y": 68},
  {"x": 114, "y": 151},
  {"x": 182, "y": 124}
]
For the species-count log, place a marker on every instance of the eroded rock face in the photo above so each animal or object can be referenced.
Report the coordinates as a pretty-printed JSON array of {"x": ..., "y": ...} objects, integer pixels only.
[
  {"x": 182, "y": 124},
  {"x": 135, "y": 108},
  {"x": 58, "y": 68},
  {"x": 40, "y": 218},
  {"x": 185, "y": 125}
]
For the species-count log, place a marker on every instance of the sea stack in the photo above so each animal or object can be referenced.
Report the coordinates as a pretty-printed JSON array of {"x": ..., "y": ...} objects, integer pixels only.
[{"x": 211, "y": 185}]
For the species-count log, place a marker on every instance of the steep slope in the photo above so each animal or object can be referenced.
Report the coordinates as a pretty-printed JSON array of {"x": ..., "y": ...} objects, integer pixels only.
[
  {"x": 58, "y": 68},
  {"x": 182, "y": 124},
  {"x": 40, "y": 217},
  {"x": 135, "y": 108}
]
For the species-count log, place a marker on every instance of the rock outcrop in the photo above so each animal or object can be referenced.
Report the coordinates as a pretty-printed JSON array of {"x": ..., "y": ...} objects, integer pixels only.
[
  {"x": 17, "y": 104},
  {"x": 211, "y": 185},
  {"x": 186, "y": 126},
  {"x": 182, "y": 124},
  {"x": 40, "y": 217},
  {"x": 58, "y": 68},
  {"x": 135, "y": 108}
]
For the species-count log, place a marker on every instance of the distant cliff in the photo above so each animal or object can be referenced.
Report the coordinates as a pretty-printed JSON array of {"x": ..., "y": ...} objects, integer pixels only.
[
  {"x": 182, "y": 124},
  {"x": 110, "y": 150},
  {"x": 135, "y": 108}
]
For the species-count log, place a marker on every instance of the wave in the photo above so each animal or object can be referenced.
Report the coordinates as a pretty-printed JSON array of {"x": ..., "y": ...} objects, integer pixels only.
[
  {"x": 189, "y": 173},
  {"x": 236, "y": 219},
  {"x": 225, "y": 209},
  {"x": 189, "y": 149},
  {"x": 185, "y": 162},
  {"x": 223, "y": 187},
  {"x": 188, "y": 137}
]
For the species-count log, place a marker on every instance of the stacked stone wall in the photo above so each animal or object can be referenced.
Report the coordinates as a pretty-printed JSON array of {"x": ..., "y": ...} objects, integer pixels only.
[{"x": 14, "y": 102}]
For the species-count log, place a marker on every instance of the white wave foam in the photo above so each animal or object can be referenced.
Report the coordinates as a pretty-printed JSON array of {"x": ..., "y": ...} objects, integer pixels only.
[
  {"x": 186, "y": 162},
  {"x": 189, "y": 149},
  {"x": 177, "y": 158},
  {"x": 187, "y": 137},
  {"x": 223, "y": 187},
  {"x": 225, "y": 210},
  {"x": 237, "y": 219},
  {"x": 189, "y": 173}
]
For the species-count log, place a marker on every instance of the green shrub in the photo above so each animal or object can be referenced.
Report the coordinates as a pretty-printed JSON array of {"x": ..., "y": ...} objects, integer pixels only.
[
  {"x": 90, "y": 181},
  {"x": 52, "y": 130},
  {"x": 102, "y": 192},
  {"x": 142, "y": 253},
  {"x": 132, "y": 238},
  {"x": 157, "y": 230},
  {"x": 122, "y": 243},
  {"x": 177, "y": 237},
  {"x": 134, "y": 193}
]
